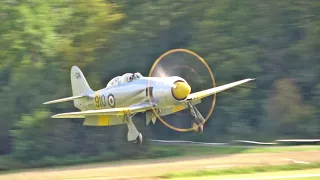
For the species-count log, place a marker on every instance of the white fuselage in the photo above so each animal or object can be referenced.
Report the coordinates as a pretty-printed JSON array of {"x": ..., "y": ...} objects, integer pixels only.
[{"x": 130, "y": 93}]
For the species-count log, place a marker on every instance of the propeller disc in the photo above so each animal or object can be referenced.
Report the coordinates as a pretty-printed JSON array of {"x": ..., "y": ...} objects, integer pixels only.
[{"x": 158, "y": 71}]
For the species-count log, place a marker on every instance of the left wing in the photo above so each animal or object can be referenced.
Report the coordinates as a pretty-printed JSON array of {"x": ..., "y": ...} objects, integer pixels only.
[
  {"x": 208, "y": 92},
  {"x": 140, "y": 107}
]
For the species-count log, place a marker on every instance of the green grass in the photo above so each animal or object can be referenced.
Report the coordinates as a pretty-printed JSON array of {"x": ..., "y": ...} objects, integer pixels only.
[
  {"x": 8, "y": 163},
  {"x": 245, "y": 170},
  {"x": 166, "y": 150},
  {"x": 283, "y": 149},
  {"x": 283, "y": 175},
  {"x": 196, "y": 150}
]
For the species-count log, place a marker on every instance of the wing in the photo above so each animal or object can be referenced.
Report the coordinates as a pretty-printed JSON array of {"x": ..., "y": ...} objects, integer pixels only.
[
  {"x": 141, "y": 107},
  {"x": 208, "y": 92}
]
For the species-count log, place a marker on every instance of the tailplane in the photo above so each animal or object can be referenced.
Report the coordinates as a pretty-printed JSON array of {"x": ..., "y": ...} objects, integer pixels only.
[{"x": 80, "y": 89}]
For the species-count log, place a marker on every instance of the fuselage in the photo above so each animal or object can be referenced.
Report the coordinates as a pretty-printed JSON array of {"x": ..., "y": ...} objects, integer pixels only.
[{"x": 129, "y": 93}]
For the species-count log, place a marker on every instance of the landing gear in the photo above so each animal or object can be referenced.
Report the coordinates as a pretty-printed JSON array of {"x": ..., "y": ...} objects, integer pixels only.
[
  {"x": 197, "y": 128},
  {"x": 133, "y": 134},
  {"x": 138, "y": 140},
  {"x": 198, "y": 120}
]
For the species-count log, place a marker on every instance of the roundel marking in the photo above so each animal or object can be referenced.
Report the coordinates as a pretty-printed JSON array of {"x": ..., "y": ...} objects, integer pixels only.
[{"x": 111, "y": 100}]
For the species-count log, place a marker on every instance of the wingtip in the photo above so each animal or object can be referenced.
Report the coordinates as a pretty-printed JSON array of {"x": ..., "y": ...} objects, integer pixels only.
[
  {"x": 54, "y": 116},
  {"x": 49, "y": 102}
]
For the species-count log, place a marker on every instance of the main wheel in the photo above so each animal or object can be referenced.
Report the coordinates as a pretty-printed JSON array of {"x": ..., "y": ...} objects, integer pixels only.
[
  {"x": 197, "y": 128},
  {"x": 139, "y": 140},
  {"x": 200, "y": 128}
]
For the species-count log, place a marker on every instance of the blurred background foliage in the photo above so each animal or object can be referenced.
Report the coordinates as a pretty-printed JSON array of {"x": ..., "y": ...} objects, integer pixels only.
[{"x": 275, "y": 41}]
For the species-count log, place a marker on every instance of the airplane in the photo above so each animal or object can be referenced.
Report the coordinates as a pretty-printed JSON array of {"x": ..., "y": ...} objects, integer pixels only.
[{"x": 131, "y": 93}]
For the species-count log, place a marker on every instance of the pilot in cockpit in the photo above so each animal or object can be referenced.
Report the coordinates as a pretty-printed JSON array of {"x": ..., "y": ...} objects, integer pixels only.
[
  {"x": 137, "y": 75},
  {"x": 131, "y": 77}
]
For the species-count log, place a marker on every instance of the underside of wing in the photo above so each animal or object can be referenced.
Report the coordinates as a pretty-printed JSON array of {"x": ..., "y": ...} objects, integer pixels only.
[
  {"x": 177, "y": 108},
  {"x": 208, "y": 92},
  {"x": 141, "y": 107}
]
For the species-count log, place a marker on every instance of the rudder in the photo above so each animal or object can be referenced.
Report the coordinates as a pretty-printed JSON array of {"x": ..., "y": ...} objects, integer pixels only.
[{"x": 79, "y": 85}]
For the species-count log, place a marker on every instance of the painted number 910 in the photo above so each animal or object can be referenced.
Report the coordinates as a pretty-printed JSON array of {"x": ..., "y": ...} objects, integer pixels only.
[{"x": 100, "y": 101}]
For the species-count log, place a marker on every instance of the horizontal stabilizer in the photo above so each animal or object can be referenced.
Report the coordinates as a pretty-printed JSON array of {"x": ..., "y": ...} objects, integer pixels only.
[{"x": 65, "y": 99}]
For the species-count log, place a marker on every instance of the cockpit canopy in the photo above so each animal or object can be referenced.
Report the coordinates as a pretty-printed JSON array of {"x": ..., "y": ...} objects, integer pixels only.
[{"x": 125, "y": 78}]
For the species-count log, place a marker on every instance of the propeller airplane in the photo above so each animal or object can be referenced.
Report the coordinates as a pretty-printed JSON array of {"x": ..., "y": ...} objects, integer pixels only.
[{"x": 129, "y": 94}]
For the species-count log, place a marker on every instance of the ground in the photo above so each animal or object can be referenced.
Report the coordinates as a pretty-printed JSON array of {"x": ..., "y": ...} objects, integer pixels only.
[
  {"x": 310, "y": 174},
  {"x": 145, "y": 169}
]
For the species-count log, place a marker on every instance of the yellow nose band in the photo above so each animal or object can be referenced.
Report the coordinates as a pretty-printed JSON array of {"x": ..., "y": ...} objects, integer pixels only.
[{"x": 181, "y": 90}]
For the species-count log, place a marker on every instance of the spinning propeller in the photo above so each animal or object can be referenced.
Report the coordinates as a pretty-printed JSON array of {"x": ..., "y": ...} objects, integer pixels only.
[{"x": 189, "y": 66}]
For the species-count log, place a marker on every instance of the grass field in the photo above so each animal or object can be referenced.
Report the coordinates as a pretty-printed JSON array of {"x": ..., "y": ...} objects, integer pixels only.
[
  {"x": 246, "y": 170},
  {"x": 157, "y": 152},
  {"x": 207, "y": 161},
  {"x": 309, "y": 174},
  {"x": 223, "y": 150}
]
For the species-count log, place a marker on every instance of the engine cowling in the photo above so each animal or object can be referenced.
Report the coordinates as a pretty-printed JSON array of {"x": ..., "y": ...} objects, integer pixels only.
[{"x": 171, "y": 91}]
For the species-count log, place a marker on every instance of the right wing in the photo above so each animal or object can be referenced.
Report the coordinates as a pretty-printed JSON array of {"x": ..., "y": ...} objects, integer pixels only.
[
  {"x": 140, "y": 107},
  {"x": 208, "y": 92}
]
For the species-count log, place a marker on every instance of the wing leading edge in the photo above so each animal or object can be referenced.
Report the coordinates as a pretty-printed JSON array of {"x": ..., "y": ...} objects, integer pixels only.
[
  {"x": 208, "y": 92},
  {"x": 141, "y": 107}
]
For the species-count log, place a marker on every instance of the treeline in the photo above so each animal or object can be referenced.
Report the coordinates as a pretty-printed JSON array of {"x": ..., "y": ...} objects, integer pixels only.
[{"x": 276, "y": 42}]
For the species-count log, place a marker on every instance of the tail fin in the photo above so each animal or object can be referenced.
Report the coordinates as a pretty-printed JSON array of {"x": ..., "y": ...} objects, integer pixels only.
[
  {"x": 78, "y": 82},
  {"x": 79, "y": 85}
]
